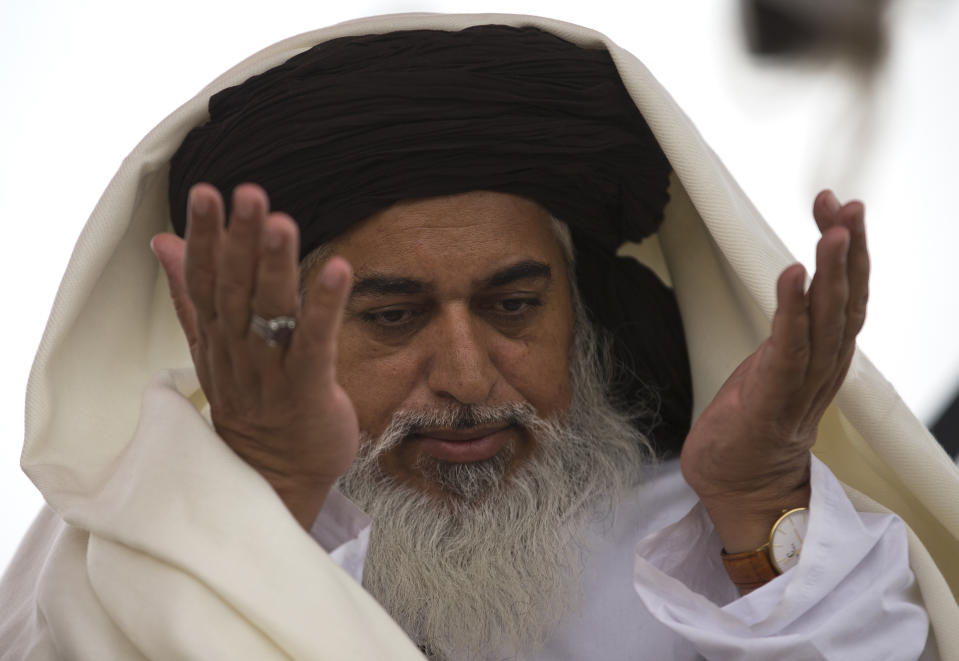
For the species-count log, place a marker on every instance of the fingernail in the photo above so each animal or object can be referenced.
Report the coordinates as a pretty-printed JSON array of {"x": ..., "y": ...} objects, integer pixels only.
[
  {"x": 331, "y": 278},
  {"x": 832, "y": 202},
  {"x": 153, "y": 247},
  {"x": 243, "y": 208},
  {"x": 199, "y": 204},
  {"x": 274, "y": 240}
]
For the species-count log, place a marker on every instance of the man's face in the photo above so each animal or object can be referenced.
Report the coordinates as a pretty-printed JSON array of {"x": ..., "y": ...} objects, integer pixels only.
[{"x": 459, "y": 300}]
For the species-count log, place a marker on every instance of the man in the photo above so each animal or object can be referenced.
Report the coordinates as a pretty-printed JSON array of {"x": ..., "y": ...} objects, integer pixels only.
[{"x": 456, "y": 351}]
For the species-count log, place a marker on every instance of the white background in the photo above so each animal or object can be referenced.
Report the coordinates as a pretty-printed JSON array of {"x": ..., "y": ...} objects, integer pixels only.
[{"x": 82, "y": 82}]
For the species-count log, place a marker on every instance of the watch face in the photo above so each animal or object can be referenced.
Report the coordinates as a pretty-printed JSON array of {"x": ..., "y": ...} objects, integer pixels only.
[{"x": 785, "y": 542}]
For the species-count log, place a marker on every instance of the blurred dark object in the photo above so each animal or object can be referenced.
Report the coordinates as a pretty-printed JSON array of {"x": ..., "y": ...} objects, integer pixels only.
[
  {"x": 946, "y": 428},
  {"x": 789, "y": 27}
]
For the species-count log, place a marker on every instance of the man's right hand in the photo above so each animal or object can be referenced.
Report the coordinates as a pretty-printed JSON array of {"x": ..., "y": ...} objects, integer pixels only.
[{"x": 278, "y": 407}]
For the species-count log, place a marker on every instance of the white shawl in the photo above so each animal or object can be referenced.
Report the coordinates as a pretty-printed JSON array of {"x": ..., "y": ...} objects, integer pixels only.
[{"x": 173, "y": 548}]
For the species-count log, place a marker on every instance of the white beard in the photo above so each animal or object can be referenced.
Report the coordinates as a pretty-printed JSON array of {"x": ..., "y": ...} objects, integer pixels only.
[{"x": 494, "y": 567}]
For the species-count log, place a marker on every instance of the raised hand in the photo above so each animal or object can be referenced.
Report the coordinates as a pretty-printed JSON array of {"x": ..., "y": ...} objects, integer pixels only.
[
  {"x": 747, "y": 456},
  {"x": 277, "y": 406}
]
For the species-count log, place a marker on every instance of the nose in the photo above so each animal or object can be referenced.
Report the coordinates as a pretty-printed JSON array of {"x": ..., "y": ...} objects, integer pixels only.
[{"x": 460, "y": 365}]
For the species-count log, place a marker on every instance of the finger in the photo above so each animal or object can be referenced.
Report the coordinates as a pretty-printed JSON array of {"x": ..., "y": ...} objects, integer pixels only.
[
  {"x": 238, "y": 259},
  {"x": 825, "y": 209},
  {"x": 827, "y": 300},
  {"x": 852, "y": 217},
  {"x": 315, "y": 339},
  {"x": 787, "y": 357},
  {"x": 275, "y": 290},
  {"x": 204, "y": 232},
  {"x": 204, "y": 237},
  {"x": 169, "y": 250},
  {"x": 830, "y": 213}
]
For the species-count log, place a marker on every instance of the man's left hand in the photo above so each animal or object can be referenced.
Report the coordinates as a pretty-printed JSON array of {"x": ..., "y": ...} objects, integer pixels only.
[{"x": 747, "y": 455}]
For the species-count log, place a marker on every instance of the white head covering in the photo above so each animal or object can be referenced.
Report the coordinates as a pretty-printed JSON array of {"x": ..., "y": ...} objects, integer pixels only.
[{"x": 172, "y": 539}]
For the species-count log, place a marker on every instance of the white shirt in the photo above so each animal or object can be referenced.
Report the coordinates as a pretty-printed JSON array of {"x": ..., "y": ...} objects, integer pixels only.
[{"x": 655, "y": 588}]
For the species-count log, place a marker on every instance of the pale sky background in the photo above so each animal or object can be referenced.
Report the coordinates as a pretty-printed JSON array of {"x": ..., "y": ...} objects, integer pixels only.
[{"x": 83, "y": 82}]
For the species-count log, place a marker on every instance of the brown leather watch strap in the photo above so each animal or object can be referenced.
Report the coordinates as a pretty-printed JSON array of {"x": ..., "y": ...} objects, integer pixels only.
[{"x": 750, "y": 569}]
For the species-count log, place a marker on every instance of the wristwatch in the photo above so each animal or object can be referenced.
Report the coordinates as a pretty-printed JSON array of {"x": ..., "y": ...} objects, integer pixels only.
[{"x": 752, "y": 569}]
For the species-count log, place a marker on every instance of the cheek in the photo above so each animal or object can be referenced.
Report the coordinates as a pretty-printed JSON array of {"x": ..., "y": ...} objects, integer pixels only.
[
  {"x": 546, "y": 370},
  {"x": 538, "y": 370},
  {"x": 377, "y": 385}
]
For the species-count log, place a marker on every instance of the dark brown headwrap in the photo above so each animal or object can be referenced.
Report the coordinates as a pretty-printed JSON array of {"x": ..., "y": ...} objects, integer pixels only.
[{"x": 354, "y": 125}]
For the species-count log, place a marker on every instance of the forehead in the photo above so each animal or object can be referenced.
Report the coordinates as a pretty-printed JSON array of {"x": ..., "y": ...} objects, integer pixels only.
[{"x": 451, "y": 237}]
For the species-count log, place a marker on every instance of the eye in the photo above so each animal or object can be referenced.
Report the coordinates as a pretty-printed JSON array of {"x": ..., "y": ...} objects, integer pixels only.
[
  {"x": 517, "y": 305},
  {"x": 512, "y": 308},
  {"x": 389, "y": 317}
]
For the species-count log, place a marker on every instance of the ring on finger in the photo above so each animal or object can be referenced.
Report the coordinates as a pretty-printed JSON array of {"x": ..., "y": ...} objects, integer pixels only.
[{"x": 275, "y": 331}]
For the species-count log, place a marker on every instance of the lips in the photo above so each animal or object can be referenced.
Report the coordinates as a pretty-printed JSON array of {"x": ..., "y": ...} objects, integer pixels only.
[{"x": 462, "y": 446}]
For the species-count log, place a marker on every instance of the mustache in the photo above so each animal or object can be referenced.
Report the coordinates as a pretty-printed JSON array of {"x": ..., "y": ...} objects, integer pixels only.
[{"x": 458, "y": 417}]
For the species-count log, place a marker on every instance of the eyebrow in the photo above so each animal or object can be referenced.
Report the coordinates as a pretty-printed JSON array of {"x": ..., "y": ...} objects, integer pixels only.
[
  {"x": 376, "y": 284},
  {"x": 528, "y": 269},
  {"x": 381, "y": 285}
]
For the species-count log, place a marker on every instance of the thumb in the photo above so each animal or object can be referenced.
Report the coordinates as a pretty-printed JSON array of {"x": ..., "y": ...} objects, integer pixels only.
[{"x": 170, "y": 251}]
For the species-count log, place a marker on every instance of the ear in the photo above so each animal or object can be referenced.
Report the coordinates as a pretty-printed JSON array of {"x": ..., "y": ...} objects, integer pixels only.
[{"x": 170, "y": 252}]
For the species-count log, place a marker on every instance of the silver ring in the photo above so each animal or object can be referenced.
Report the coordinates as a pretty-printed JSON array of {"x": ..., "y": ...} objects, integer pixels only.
[{"x": 275, "y": 331}]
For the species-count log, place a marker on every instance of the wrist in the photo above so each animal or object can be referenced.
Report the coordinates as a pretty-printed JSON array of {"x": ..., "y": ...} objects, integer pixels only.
[
  {"x": 303, "y": 492},
  {"x": 304, "y": 501},
  {"x": 744, "y": 501},
  {"x": 743, "y": 521}
]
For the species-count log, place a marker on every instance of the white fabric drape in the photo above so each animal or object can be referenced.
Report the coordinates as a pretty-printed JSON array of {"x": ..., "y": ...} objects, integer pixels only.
[{"x": 160, "y": 545}]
